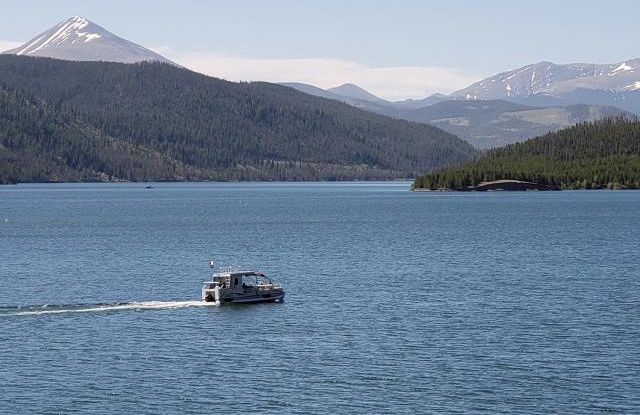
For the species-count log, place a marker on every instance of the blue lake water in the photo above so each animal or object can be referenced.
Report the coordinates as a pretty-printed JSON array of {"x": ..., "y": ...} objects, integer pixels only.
[{"x": 396, "y": 302}]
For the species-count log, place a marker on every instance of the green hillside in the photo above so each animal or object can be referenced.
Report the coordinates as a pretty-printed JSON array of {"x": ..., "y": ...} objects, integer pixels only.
[
  {"x": 85, "y": 121},
  {"x": 602, "y": 154}
]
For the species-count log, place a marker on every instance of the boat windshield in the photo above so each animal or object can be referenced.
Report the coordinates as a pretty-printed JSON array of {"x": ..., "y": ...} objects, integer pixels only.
[{"x": 255, "y": 280}]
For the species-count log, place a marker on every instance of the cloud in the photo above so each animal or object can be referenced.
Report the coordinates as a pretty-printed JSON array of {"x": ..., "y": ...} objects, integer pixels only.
[
  {"x": 390, "y": 82},
  {"x": 8, "y": 44}
]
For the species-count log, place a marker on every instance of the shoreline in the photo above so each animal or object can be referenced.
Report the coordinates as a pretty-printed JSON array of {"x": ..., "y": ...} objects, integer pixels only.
[
  {"x": 390, "y": 181},
  {"x": 507, "y": 185},
  {"x": 423, "y": 190}
]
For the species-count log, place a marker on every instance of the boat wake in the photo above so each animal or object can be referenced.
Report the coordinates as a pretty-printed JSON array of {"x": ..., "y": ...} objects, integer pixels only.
[{"x": 93, "y": 308}]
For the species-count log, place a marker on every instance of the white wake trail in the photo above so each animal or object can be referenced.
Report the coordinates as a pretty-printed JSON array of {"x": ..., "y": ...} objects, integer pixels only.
[{"x": 143, "y": 305}]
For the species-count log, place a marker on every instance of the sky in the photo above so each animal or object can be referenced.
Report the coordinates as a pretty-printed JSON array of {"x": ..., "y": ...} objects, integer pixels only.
[{"x": 395, "y": 49}]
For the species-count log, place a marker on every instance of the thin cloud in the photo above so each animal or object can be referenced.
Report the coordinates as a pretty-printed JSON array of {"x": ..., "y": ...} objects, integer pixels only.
[
  {"x": 8, "y": 44},
  {"x": 392, "y": 82}
]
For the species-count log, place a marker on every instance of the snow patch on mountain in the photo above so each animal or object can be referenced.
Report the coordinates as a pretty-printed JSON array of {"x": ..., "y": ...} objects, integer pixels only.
[
  {"x": 622, "y": 68},
  {"x": 634, "y": 86},
  {"x": 67, "y": 29}
]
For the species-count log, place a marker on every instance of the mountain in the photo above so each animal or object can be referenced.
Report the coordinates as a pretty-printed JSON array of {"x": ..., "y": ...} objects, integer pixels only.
[
  {"x": 495, "y": 123},
  {"x": 317, "y": 92},
  {"x": 421, "y": 103},
  {"x": 70, "y": 121},
  {"x": 355, "y": 92},
  {"x": 357, "y": 97},
  {"x": 78, "y": 39},
  {"x": 601, "y": 154},
  {"x": 616, "y": 84},
  {"x": 547, "y": 78}
]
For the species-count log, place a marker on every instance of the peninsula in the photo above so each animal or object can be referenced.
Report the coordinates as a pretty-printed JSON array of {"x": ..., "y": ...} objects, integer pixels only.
[{"x": 603, "y": 154}]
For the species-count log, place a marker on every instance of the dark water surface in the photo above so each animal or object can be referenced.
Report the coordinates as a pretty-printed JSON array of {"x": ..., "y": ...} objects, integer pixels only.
[{"x": 396, "y": 302}]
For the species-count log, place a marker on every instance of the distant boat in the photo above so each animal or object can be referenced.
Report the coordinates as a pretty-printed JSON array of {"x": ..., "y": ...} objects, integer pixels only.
[{"x": 148, "y": 186}]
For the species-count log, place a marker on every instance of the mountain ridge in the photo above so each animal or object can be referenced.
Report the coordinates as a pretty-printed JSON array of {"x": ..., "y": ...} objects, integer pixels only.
[
  {"x": 614, "y": 84},
  {"x": 555, "y": 79}
]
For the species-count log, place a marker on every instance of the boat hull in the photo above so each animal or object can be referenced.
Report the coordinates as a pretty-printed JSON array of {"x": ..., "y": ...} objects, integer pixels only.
[{"x": 253, "y": 298}]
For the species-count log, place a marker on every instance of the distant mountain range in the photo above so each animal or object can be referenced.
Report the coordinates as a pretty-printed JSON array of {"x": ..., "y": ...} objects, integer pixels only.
[
  {"x": 485, "y": 123},
  {"x": 508, "y": 107},
  {"x": 540, "y": 84},
  {"x": 79, "y": 39}
]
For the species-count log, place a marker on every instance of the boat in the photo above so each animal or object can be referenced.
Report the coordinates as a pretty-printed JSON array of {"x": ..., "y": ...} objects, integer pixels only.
[{"x": 235, "y": 285}]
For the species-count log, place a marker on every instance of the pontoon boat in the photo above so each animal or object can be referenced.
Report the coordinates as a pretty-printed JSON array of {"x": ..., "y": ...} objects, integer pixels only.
[{"x": 239, "y": 286}]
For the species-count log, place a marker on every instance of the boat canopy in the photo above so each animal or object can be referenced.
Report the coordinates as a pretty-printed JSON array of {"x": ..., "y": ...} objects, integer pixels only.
[{"x": 238, "y": 274}]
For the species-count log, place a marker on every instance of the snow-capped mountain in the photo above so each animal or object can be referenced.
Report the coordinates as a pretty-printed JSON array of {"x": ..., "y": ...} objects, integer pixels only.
[
  {"x": 79, "y": 39},
  {"x": 546, "y": 78}
]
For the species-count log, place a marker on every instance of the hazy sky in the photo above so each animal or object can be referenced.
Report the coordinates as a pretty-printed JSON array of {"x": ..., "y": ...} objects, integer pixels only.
[{"x": 396, "y": 49}]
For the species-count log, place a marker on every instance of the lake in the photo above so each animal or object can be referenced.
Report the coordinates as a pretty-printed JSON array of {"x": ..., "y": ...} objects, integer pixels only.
[{"x": 397, "y": 302}]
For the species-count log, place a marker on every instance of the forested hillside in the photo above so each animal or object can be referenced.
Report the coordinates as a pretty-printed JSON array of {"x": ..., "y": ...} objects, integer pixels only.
[
  {"x": 69, "y": 121},
  {"x": 602, "y": 154}
]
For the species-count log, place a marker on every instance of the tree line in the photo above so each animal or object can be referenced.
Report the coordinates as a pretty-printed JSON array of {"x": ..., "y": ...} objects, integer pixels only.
[{"x": 595, "y": 155}]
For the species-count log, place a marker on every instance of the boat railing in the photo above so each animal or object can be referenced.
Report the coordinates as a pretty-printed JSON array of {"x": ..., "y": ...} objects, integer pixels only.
[
  {"x": 230, "y": 269},
  {"x": 268, "y": 286}
]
